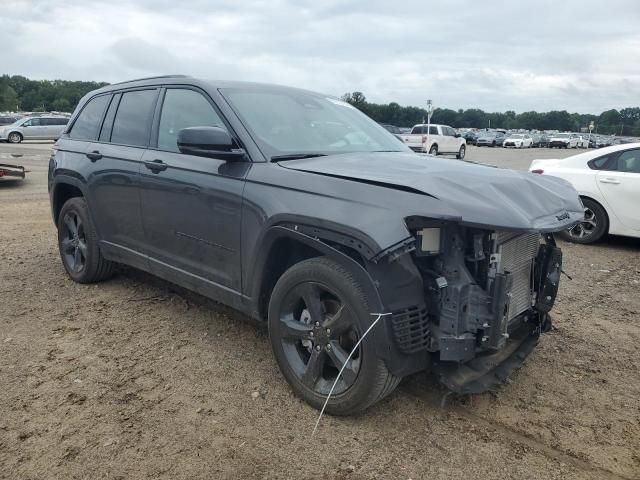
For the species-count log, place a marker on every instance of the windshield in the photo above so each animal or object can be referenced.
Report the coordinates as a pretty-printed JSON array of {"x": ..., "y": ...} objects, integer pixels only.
[
  {"x": 287, "y": 121},
  {"x": 562, "y": 135},
  {"x": 517, "y": 136}
]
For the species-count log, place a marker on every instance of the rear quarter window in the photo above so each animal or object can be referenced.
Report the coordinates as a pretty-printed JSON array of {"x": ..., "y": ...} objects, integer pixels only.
[
  {"x": 605, "y": 162},
  {"x": 88, "y": 122}
]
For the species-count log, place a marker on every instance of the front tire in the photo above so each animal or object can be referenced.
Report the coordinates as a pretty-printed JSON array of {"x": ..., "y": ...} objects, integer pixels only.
[
  {"x": 14, "y": 137},
  {"x": 78, "y": 244},
  {"x": 317, "y": 313},
  {"x": 433, "y": 150},
  {"x": 461, "y": 152},
  {"x": 595, "y": 226}
]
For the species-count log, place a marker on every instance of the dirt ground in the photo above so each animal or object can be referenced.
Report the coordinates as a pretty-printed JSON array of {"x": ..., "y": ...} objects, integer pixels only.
[{"x": 134, "y": 378}]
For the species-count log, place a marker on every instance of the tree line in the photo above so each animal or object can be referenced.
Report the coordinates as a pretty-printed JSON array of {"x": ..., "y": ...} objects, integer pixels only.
[
  {"x": 622, "y": 122},
  {"x": 18, "y": 93}
]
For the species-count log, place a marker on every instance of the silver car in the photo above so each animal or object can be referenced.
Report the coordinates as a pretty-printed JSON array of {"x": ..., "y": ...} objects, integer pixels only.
[{"x": 45, "y": 127}]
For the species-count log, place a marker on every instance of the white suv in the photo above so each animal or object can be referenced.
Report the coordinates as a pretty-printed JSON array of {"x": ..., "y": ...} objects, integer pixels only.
[{"x": 45, "y": 127}]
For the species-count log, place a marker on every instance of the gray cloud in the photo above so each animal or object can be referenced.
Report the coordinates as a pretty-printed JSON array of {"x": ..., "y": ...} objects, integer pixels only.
[{"x": 572, "y": 55}]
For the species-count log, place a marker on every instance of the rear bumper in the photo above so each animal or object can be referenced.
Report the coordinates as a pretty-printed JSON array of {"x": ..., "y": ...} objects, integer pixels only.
[{"x": 11, "y": 171}]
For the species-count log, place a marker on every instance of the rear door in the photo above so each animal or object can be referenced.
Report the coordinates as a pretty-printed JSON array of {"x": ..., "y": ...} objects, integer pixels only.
[
  {"x": 191, "y": 205},
  {"x": 621, "y": 188},
  {"x": 449, "y": 140},
  {"x": 115, "y": 157}
]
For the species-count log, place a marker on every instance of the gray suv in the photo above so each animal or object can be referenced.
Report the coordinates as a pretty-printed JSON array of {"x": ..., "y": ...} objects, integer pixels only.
[
  {"x": 45, "y": 127},
  {"x": 300, "y": 211}
]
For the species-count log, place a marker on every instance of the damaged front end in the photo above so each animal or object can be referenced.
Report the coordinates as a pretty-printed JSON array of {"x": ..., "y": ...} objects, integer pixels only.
[{"x": 487, "y": 297}]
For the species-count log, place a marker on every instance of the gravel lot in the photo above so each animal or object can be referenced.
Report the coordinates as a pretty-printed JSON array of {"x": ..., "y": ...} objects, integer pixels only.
[{"x": 135, "y": 378}]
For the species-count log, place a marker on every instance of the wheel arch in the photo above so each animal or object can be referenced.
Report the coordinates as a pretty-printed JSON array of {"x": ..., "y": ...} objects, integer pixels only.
[
  {"x": 283, "y": 247},
  {"x": 15, "y": 131},
  {"x": 63, "y": 190}
]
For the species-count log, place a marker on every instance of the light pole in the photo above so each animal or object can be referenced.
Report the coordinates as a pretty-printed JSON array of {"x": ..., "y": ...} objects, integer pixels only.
[
  {"x": 429, "y": 113},
  {"x": 590, "y": 128}
]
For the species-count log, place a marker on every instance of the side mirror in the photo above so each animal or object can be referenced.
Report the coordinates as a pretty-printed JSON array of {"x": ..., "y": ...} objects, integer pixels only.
[
  {"x": 457, "y": 135},
  {"x": 214, "y": 142}
]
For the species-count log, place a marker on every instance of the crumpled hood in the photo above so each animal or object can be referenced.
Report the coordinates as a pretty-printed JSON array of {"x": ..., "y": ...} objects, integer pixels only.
[{"x": 473, "y": 194}]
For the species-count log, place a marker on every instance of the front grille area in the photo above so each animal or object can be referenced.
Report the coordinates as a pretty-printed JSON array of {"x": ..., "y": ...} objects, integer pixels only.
[
  {"x": 517, "y": 256},
  {"x": 411, "y": 329}
]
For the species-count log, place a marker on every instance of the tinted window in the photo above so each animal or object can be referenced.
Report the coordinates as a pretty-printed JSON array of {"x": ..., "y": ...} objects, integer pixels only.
[
  {"x": 432, "y": 130},
  {"x": 133, "y": 119},
  {"x": 417, "y": 130},
  {"x": 181, "y": 109},
  {"x": 88, "y": 122},
  {"x": 600, "y": 163},
  {"x": 629, "y": 161},
  {"x": 61, "y": 121},
  {"x": 107, "y": 125}
]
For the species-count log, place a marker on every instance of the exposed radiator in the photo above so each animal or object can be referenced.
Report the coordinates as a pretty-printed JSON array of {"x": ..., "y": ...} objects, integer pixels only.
[{"x": 516, "y": 255}]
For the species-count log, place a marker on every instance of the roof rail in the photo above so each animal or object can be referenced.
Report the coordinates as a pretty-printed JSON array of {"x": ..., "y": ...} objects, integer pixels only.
[{"x": 149, "y": 78}]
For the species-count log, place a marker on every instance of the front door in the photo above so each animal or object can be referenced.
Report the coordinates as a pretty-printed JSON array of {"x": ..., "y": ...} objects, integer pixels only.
[
  {"x": 33, "y": 129},
  {"x": 621, "y": 188},
  {"x": 191, "y": 205}
]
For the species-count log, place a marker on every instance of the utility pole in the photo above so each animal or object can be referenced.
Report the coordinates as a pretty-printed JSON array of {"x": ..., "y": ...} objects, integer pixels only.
[{"x": 429, "y": 113}]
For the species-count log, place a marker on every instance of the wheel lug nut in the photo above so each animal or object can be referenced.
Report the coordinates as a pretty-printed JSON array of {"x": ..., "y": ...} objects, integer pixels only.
[
  {"x": 311, "y": 334},
  {"x": 318, "y": 347},
  {"x": 328, "y": 346},
  {"x": 328, "y": 331},
  {"x": 317, "y": 324}
]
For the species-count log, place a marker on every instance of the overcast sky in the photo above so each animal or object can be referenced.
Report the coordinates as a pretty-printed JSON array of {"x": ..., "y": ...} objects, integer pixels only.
[{"x": 580, "y": 56}]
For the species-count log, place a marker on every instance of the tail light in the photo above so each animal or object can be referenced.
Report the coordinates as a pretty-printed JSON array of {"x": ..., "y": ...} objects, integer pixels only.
[
  {"x": 424, "y": 139},
  {"x": 539, "y": 171}
]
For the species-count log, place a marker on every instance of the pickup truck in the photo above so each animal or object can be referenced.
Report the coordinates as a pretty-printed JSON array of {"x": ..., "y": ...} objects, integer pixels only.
[{"x": 441, "y": 139}]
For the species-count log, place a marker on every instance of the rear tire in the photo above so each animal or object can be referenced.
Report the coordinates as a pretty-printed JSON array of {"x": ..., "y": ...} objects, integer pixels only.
[
  {"x": 317, "y": 311},
  {"x": 78, "y": 244},
  {"x": 595, "y": 226}
]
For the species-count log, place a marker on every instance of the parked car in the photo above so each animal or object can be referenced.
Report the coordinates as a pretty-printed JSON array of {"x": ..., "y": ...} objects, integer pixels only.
[
  {"x": 490, "y": 139},
  {"x": 34, "y": 128},
  {"x": 441, "y": 140},
  {"x": 581, "y": 141},
  {"x": 300, "y": 211},
  {"x": 563, "y": 140},
  {"x": 7, "y": 120},
  {"x": 393, "y": 129},
  {"x": 470, "y": 137},
  {"x": 608, "y": 181},
  {"x": 517, "y": 140}
]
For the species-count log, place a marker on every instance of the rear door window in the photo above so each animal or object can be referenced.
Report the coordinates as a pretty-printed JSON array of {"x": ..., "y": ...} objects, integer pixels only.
[
  {"x": 629, "y": 161},
  {"x": 183, "y": 108},
  {"x": 433, "y": 131},
  {"x": 132, "y": 124},
  {"x": 87, "y": 124}
]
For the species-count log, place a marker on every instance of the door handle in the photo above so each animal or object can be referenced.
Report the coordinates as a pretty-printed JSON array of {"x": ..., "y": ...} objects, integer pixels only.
[
  {"x": 610, "y": 180},
  {"x": 94, "y": 156},
  {"x": 156, "y": 165}
]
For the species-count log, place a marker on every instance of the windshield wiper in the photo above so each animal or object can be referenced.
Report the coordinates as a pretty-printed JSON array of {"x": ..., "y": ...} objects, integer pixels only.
[{"x": 296, "y": 156}]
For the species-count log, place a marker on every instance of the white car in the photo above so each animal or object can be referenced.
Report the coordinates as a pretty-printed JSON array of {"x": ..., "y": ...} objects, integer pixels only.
[
  {"x": 442, "y": 139},
  {"x": 563, "y": 140},
  {"x": 518, "y": 140},
  {"x": 608, "y": 181}
]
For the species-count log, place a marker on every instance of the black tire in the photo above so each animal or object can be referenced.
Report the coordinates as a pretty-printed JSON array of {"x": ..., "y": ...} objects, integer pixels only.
[
  {"x": 342, "y": 307},
  {"x": 78, "y": 244},
  {"x": 433, "y": 150},
  {"x": 593, "y": 229},
  {"x": 461, "y": 152},
  {"x": 14, "y": 137}
]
